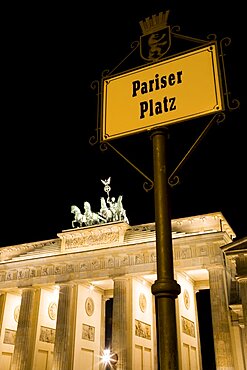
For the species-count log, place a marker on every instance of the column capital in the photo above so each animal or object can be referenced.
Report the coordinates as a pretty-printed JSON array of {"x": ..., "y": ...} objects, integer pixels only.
[
  {"x": 215, "y": 267},
  {"x": 66, "y": 283}
]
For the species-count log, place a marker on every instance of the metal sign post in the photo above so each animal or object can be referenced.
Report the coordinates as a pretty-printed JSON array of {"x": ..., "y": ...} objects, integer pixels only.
[{"x": 165, "y": 288}]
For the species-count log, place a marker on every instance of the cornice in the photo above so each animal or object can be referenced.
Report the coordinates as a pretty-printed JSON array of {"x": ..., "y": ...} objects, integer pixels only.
[
  {"x": 6, "y": 253},
  {"x": 206, "y": 223}
]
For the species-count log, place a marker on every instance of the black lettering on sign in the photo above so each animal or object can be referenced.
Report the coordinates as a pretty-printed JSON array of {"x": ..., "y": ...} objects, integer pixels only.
[
  {"x": 150, "y": 108},
  {"x": 144, "y": 87}
]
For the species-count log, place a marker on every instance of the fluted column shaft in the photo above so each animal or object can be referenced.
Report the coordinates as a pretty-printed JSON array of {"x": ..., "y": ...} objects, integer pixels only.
[
  {"x": 121, "y": 319},
  {"x": 220, "y": 319},
  {"x": 243, "y": 292},
  {"x": 2, "y": 307},
  {"x": 26, "y": 330},
  {"x": 65, "y": 328},
  {"x": 241, "y": 270}
]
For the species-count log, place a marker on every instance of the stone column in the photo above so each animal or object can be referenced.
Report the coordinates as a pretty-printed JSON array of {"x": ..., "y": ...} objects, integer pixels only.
[
  {"x": 241, "y": 270},
  {"x": 2, "y": 307},
  {"x": 198, "y": 331},
  {"x": 102, "y": 328},
  {"x": 220, "y": 319},
  {"x": 65, "y": 329},
  {"x": 26, "y": 330},
  {"x": 121, "y": 323}
]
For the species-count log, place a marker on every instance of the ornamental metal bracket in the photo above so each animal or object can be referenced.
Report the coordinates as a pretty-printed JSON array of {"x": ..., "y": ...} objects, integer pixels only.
[
  {"x": 96, "y": 85},
  {"x": 219, "y": 117},
  {"x": 224, "y": 42},
  {"x": 174, "y": 178},
  {"x": 147, "y": 185}
]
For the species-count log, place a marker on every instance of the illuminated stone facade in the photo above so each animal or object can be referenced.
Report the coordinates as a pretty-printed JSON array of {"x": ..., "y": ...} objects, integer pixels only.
[{"x": 54, "y": 294}]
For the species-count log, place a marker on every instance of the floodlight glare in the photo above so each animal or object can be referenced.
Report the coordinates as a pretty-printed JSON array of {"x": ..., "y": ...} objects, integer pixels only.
[
  {"x": 109, "y": 358},
  {"x": 106, "y": 357}
]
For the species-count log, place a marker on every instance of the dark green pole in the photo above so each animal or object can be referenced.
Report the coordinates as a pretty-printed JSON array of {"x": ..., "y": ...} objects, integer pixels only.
[{"x": 165, "y": 288}]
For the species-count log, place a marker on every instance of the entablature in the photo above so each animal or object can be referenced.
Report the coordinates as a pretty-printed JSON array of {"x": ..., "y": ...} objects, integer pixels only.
[{"x": 109, "y": 260}]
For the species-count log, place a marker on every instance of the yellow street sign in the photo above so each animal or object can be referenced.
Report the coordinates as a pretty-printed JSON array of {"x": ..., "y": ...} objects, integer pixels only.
[{"x": 176, "y": 89}]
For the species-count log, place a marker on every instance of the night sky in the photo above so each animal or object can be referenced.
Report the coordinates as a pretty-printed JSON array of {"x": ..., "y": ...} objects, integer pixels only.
[{"x": 51, "y": 55}]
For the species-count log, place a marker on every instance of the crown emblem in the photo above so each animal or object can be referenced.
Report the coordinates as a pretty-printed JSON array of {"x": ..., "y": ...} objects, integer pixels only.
[{"x": 154, "y": 23}]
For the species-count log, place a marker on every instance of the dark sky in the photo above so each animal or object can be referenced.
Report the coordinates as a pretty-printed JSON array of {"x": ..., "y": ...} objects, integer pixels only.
[{"x": 51, "y": 55}]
